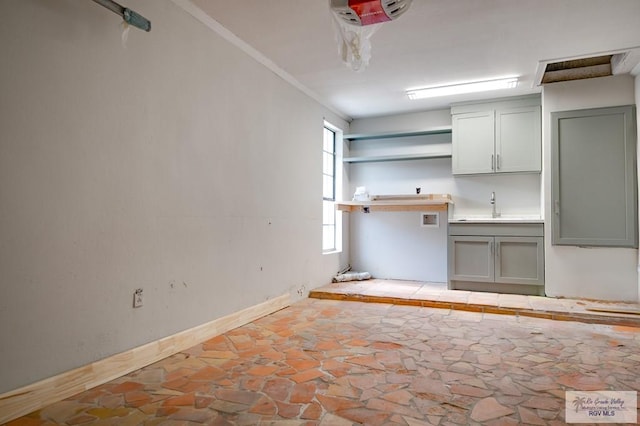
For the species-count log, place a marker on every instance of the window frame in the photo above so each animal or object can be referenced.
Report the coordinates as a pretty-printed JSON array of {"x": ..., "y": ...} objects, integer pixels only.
[{"x": 336, "y": 180}]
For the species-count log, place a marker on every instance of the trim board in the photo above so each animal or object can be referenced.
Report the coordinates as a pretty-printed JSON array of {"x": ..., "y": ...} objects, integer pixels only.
[{"x": 35, "y": 396}]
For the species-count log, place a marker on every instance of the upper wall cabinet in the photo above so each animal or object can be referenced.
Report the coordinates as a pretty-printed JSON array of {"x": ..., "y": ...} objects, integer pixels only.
[
  {"x": 473, "y": 142},
  {"x": 502, "y": 136}
]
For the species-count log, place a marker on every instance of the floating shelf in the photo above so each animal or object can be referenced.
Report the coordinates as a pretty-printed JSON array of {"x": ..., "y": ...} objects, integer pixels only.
[
  {"x": 390, "y": 135},
  {"x": 399, "y": 157},
  {"x": 398, "y": 135},
  {"x": 398, "y": 203}
]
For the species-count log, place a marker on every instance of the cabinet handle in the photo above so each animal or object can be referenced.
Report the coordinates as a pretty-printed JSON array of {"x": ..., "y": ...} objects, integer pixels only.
[
  {"x": 498, "y": 162},
  {"x": 493, "y": 167},
  {"x": 557, "y": 207}
]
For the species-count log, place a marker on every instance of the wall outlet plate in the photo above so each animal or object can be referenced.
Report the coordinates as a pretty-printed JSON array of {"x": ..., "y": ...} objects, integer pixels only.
[
  {"x": 430, "y": 220},
  {"x": 137, "y": 298}
]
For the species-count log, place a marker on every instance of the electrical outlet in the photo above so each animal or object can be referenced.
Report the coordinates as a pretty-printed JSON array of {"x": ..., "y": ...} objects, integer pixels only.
[{"x": 137, "y": 298}]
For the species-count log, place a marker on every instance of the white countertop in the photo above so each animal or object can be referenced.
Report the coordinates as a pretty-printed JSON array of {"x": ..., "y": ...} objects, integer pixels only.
[{"x": 501, "y": 219}]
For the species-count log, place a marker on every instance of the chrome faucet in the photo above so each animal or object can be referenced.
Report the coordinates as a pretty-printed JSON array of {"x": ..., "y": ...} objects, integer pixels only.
[{"x": 494, "y": 213}]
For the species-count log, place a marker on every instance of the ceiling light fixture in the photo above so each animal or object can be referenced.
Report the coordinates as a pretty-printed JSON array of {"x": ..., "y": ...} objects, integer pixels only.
[
  {"x": 457, "y": 89},
  {"x": 356, "y": 21}
]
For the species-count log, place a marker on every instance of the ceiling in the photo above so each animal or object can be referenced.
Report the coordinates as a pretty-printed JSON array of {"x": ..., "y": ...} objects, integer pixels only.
[{"x": 435, "y": 42}]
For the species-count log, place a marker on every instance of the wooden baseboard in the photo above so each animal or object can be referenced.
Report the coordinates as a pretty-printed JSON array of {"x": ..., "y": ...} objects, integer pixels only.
[{"x": 37, "y": 395}]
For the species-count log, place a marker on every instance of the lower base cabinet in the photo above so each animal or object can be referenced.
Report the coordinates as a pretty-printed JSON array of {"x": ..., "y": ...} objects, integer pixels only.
[{"x": 501, "y": 258}]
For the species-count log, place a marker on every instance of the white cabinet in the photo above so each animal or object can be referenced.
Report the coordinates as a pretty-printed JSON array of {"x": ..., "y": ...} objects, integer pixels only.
[
  {"x": 518, "y": 140},
  {"x": 473, "y": 143},
  {"x": 497, "y": 137}
]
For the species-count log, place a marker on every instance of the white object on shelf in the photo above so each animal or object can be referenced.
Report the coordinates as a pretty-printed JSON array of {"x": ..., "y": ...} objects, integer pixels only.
[
  {"x": 361, "y": 194},
  {"x": 410, "y": 202}
]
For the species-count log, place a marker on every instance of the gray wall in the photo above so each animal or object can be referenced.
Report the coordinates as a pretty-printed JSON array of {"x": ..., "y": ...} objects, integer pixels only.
[{"x": 177, "y": 164}]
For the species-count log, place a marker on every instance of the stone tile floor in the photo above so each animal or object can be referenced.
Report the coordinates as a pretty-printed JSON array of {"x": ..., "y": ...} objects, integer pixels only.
[
  {"x": 335, "y": 363},
  {"x": 436, "y": 295}
]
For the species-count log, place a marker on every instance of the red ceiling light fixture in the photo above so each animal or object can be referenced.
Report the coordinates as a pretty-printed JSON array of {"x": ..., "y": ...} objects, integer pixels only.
[
  {"x": 367, "y": 12},
  {"x": 356, "y": 22}
]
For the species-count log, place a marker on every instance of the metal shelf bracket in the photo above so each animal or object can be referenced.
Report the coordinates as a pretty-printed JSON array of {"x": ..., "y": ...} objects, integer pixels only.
[{"x": 130, "y": 17}]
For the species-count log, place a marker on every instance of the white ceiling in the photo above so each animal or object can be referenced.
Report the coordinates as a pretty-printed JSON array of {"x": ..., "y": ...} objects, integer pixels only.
[{"x": 434, "y": 42}]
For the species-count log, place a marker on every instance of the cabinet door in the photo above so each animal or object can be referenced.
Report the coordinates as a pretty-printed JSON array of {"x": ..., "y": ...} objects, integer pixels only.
[
  {"x": 518, "y": 140},
  {"x": 472, "y": 140},
  {"x": 471, "y": 258},
  {"x": 594, "y": 186},
  {"x": 519, "y": 260}
]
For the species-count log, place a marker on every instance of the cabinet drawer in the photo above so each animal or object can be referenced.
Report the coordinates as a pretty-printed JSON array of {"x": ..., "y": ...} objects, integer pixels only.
[{"x": 502, "y": 229}]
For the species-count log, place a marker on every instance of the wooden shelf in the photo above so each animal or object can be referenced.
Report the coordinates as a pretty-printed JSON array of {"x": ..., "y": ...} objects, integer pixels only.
[
  {"x": 399, "y": 157},
  {"x": 390, "y": 135},
  {"x": 398, "y": 203}
]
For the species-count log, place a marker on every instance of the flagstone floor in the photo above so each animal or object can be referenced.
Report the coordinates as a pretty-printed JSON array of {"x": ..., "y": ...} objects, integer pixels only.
[
  {"x": 436, "y": 295},
  {"x": 335, "y": 363}
]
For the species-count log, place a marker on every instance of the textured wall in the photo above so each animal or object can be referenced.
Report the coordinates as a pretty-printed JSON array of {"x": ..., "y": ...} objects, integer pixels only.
[{"x": 177, "y": 164}]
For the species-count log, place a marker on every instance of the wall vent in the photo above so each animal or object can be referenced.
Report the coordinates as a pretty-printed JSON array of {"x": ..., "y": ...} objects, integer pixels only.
[{"x": 578, "y": 68}]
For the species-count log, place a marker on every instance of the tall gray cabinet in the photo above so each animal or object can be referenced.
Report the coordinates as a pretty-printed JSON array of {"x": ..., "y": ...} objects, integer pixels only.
[{"x": 594, "y": 185}]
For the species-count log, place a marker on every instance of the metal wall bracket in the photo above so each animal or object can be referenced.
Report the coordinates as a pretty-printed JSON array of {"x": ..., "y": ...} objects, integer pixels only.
[{"x": 130, "y": 17}]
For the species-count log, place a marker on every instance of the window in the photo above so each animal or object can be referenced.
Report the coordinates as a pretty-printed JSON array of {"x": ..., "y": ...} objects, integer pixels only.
[{"x": 330, "y": 228}]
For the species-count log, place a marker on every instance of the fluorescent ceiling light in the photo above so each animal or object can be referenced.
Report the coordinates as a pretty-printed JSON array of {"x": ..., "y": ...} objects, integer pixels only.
[{"x": 457, "y": 89}]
